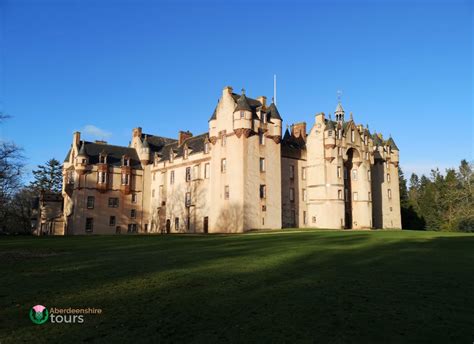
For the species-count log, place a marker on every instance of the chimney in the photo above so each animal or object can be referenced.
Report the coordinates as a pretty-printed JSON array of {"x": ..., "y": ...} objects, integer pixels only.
[
  {"x": 183, "y": 135},
  {"x": 299, "y": 130},
  {"x": 137, "y": 132},
  {"x": 76, "y": 139},
  {"x": 227, "y": 90},
  {"x": 263, "y": 100}
]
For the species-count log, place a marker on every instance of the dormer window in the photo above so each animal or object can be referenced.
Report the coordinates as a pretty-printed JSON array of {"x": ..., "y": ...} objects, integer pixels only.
[
  {"x": 171, "y": 156},
  {"x": 206, "y": 147},
  {"x": 242, "y": 114},
  {"x": 126, "y": 161},
  {"x": 102, "y": 158},
  {"x": 185, "y": 153}
]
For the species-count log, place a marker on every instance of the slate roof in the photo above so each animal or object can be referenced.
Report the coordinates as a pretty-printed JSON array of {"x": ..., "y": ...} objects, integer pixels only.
[
  {"x": 114, "y": 154},
  {"x": 195, "y": 144},
  {"x": 292, "y": 146},
  {"x": 156, "y": 143},
  {"x": 330, "y": 125},
  {"x": 250, "y": 104},
  {"x": 377, "y": 140},
  {"x": 392, "y": 144},
  {"x": 273, "y": 111},
  {"x": 66, "y": 159}
]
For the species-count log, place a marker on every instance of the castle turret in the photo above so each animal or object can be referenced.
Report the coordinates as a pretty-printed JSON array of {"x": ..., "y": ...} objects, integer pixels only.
[
  {"x": 339, "y": 113},
  {"x": 144, "y": 152},
  {"x": 273, "y": 117},
  {"x": 82, "y": 160},
  {"x": 243, "y": 116}
]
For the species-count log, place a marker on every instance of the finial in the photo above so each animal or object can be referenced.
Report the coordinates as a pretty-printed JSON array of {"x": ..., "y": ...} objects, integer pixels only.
[
  {"x": 367, "y": 126},
  {"x": 243, "y": 91},
  {"x": 352, "y": 117}
]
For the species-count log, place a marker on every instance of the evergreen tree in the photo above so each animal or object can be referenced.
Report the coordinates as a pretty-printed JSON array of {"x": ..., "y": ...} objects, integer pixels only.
[{"x": 48, "y": 177}]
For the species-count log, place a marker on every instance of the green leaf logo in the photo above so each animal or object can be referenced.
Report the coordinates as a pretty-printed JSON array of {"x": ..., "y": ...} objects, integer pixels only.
[{"x": 39, "y": 314}]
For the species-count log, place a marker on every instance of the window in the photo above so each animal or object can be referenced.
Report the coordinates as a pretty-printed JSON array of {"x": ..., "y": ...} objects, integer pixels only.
[
  {"x": 101, "y": 177},
  {"x": 126, "y": 161},
  {"x": 185, "y": 153},
  {"x": 261, "y": 138},
  {"x": 223, "y": 165},
  {"x": 133, "y": 213},
  {"x": 366, "y": 155},
  {"x": 264, "y": 207},
  {"x": 154, "y": 175},
  {"x": 89, "y": 224},
  {"x": 370, "y": 196},
  {"x": 262, "y": 164},
  {"x": 206, "y": 147},
  {"x": 368, "y": 175},
  {"x": 113, "y": 202},
  {"x": 223, "y": 139},
  {"x": 314, "y": 219},
  {"x": 292, "y": 172},
  {"x": 207, "y": 170},
  {"x": 132, "y": 228},
  {"x": 305, "y": 220},
  {"x": 176, "y": 223},
  {"x": 242, "y": 114},
  {"x": 226, "y": 192},
  {"x": 388, "y": 177},
  {"x": 102, "y": 159},
  {"x": 389, "y": 194},
  {"x": 354, "y": 174},
  {"x": 125, "y": 179},
  {"x": 112, "y": 221},
  {"x": 263, "y": 191},
  {"x": 303, "y": 192},
  {"x": 172, "y": 177},
  {"x": 339, "y": 172},
  {"x": 303, "y": 173},
  {"x": 292, "y": 194},
  {"x": 153, "y": 193},
  {"x": 339, "y": 194},
  {"x": 196, "y": 172},
  {"x": 187, "y": 199},
  {"x": 188, "y": 174},
  {"x": 160, "y": 194},
  {"x": 171, "y": 156},
  {"x": 355, "y": 196},
  {"x": 339, "y": 151},
  {"x": 90, "y": 202},
  {"x": 146, "y": 227},
  {"x": 352, "y": 135},
  {"x": 134, "y": 198},
  {"x": 340, "y": 134},
  {"x": 329, "y": 133}
]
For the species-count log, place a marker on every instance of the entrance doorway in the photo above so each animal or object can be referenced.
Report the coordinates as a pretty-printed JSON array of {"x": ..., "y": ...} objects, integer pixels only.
[
  {"x": 168, "y": 226},
  {"x": 206, "y": 224}
]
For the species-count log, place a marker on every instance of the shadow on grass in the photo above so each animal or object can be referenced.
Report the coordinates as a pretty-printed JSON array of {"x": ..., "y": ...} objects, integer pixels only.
[{"x": 315, "y": 286}]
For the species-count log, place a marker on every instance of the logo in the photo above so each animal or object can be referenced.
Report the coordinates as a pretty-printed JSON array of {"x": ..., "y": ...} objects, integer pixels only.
[{"x": 39, "y": 314}]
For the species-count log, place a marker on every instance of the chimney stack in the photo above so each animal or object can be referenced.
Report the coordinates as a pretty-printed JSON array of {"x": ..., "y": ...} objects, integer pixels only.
[
  {"x": 76, "y": 139},
  {"x": 227, "y": 90},
  {"x": 263, "y": 100},
  {"x": 299, "y": 130},
  {"x": 183, "y": 135},
  {"x": 137, "y": 132}
]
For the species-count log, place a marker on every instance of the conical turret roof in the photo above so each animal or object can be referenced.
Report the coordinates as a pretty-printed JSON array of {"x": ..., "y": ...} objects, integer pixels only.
[
  {"x": 339, "y": 108},
  {"x": 391, "y": 143},
  {"x": 243, "y": 104},
  {"x": 82, "y": 150},
  {"x": 273, "y": 111}
]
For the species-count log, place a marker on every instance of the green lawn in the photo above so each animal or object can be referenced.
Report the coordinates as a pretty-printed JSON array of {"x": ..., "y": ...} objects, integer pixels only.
[{"x": 300, "y": 286}]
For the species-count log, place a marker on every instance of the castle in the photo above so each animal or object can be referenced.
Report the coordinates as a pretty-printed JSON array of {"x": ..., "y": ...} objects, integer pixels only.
[{"x": 242, "y": 174}]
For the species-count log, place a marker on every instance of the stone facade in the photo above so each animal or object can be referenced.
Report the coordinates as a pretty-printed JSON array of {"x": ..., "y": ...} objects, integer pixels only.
[{"x": 240, "y": 175}]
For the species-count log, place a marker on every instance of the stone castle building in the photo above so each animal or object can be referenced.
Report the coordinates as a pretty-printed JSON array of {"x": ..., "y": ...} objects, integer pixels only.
[{"x": 241, "y": 174}]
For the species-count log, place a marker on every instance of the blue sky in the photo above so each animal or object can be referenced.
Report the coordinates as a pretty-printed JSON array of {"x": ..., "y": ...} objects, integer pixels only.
[{"x": 405, "y": 68}]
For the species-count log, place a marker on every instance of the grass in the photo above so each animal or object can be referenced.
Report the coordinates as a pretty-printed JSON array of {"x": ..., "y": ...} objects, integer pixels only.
[{"x": 305, "y": 286}]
